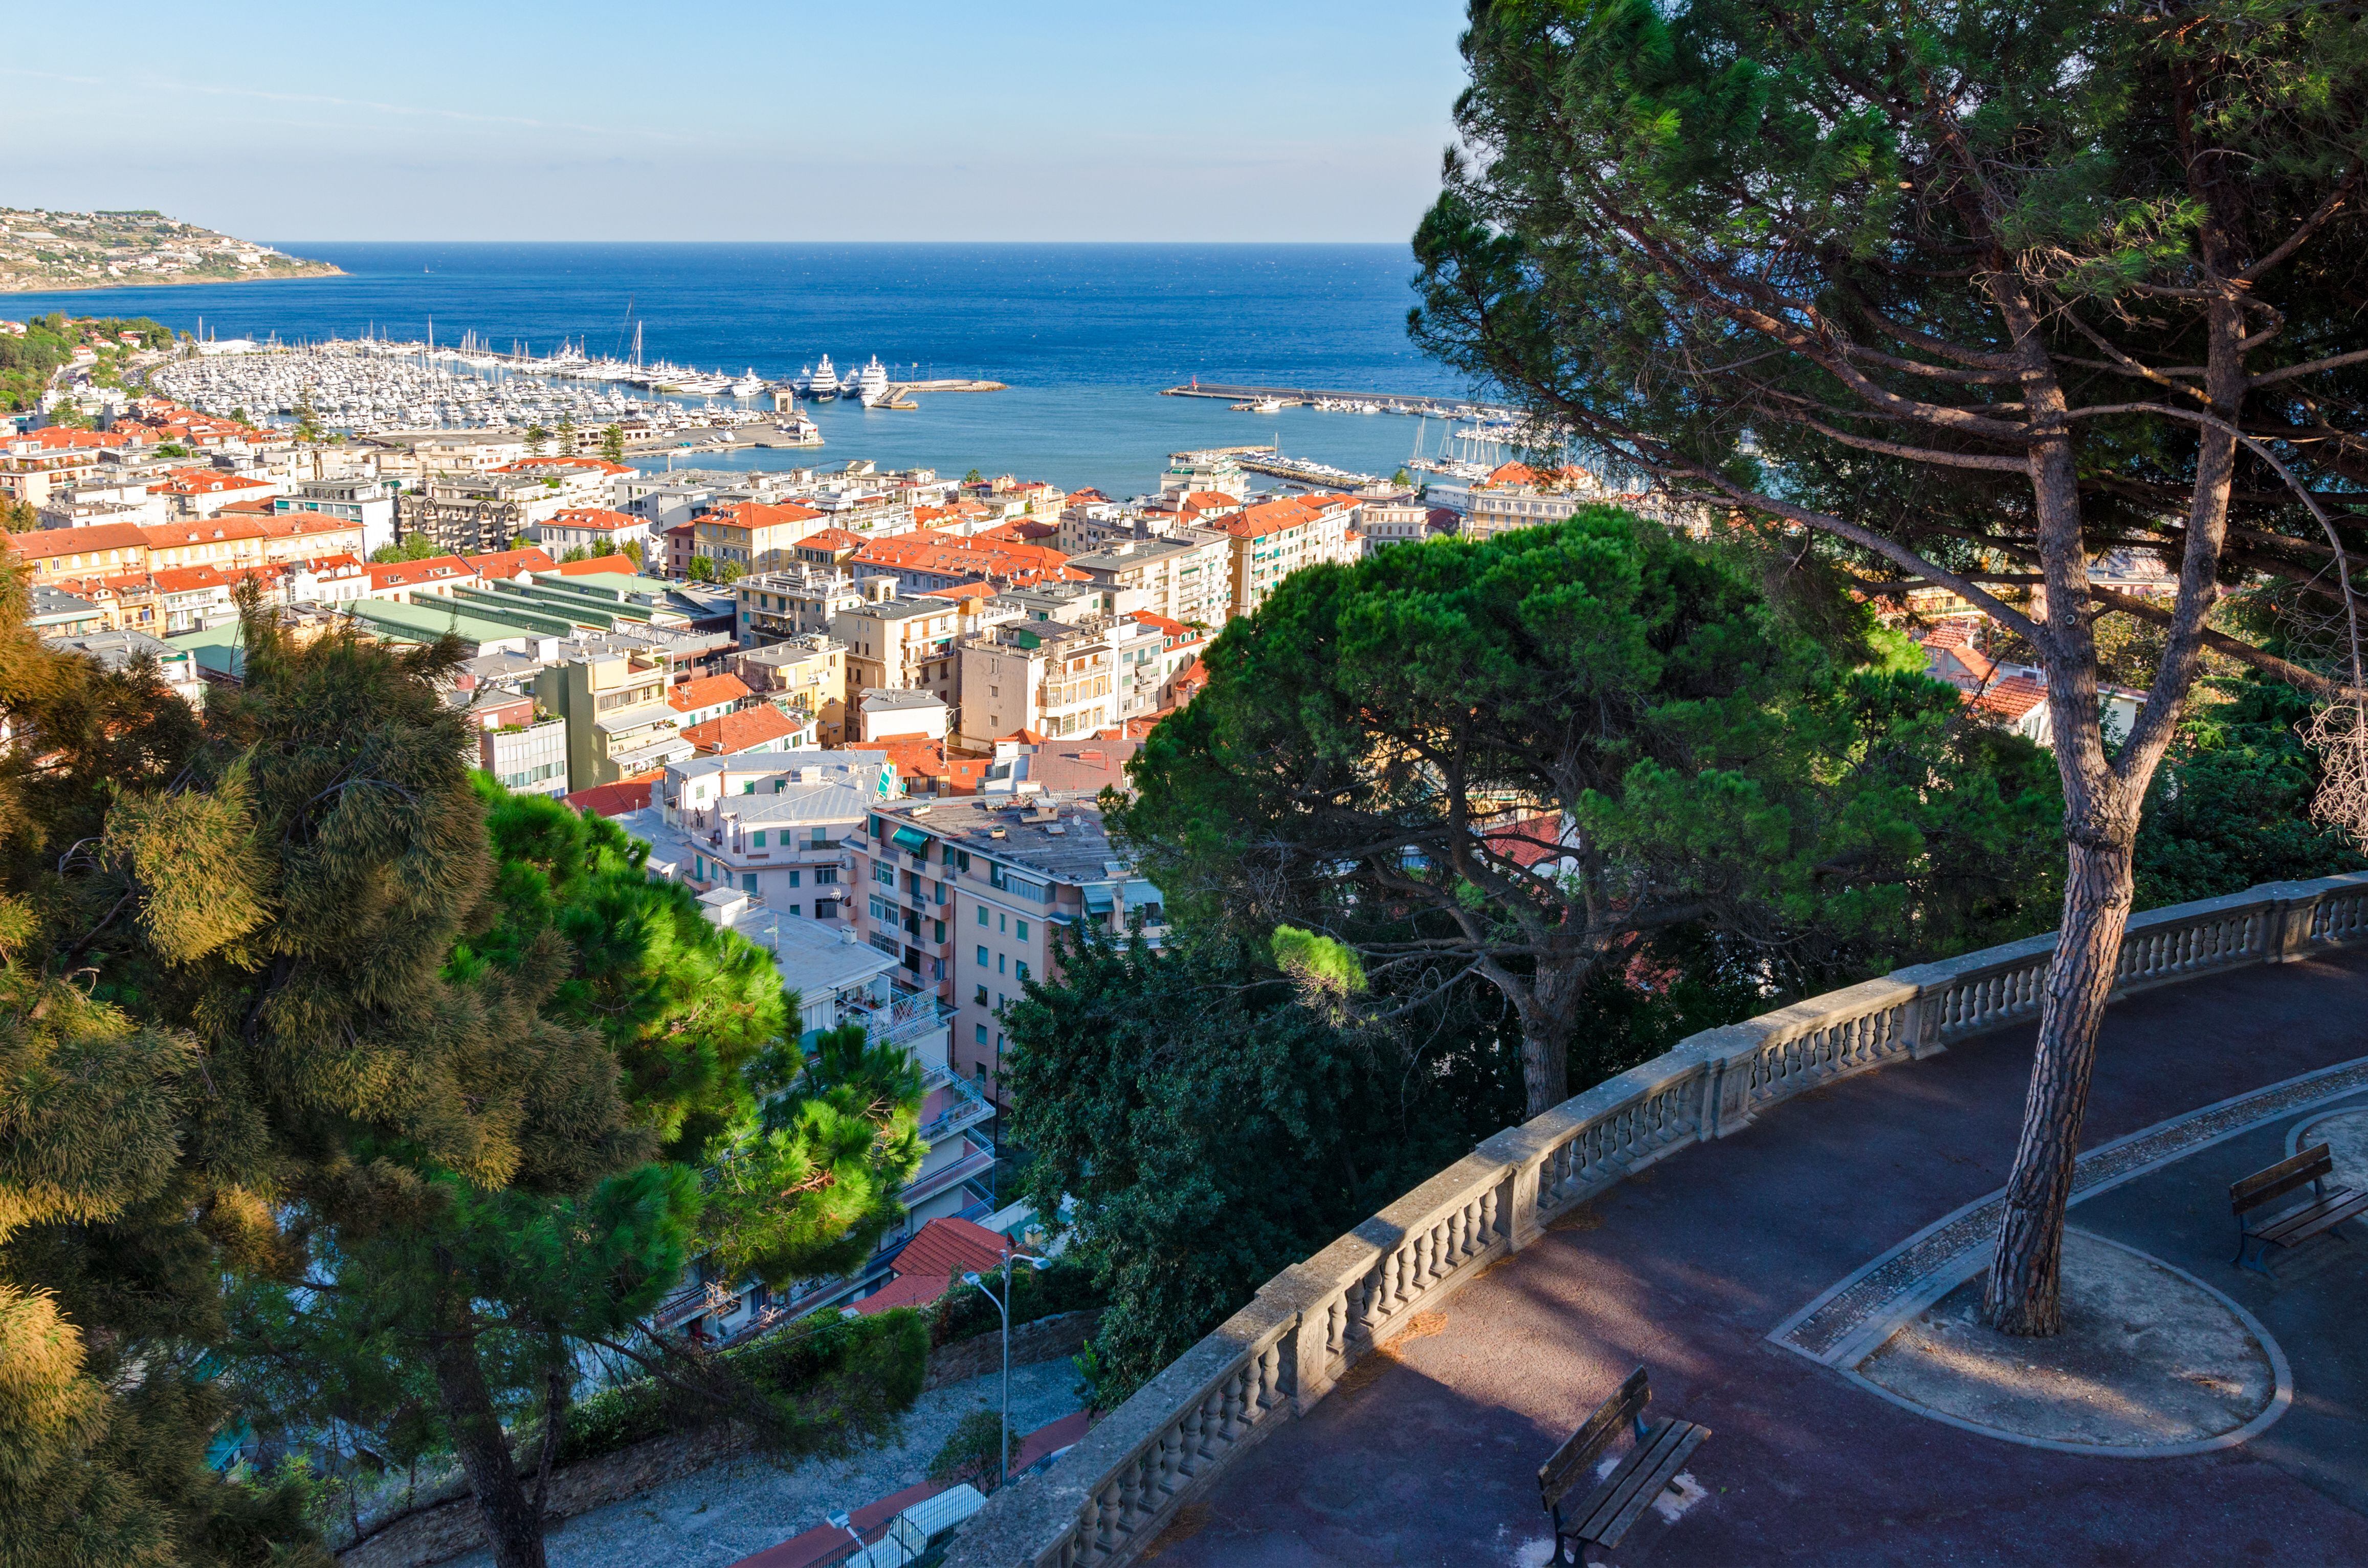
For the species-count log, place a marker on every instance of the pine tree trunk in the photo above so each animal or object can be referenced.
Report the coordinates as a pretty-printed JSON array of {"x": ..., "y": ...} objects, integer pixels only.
[
  {"x": 512, "y": 1522},
  {"x": 1545, "y": 1014},
  {"x": 2021, "y": 1295}
]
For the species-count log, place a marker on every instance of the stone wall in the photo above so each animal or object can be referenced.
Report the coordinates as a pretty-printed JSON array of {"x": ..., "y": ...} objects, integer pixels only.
[
  {"x": 446, "y": 1529},
  {"x": 1046, "y": 1339}
]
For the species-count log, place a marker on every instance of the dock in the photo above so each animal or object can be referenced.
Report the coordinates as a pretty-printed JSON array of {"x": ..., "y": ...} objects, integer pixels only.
[{"x": 1433, "y": 406}]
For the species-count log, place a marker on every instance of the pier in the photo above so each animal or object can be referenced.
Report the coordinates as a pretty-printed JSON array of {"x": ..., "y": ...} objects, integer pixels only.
[{"x": 1435, "y": 408}]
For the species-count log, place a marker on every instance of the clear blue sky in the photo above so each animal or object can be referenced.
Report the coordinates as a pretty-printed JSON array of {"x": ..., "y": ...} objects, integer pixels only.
[{"x": 987, "y": 119}]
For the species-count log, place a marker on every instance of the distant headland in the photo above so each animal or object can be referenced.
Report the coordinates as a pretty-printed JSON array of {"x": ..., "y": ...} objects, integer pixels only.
[{"x": 41, "y": 251}]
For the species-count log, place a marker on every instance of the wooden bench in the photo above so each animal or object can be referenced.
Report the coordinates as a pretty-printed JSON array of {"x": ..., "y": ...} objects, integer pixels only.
[
  {"x": 2327, "y": 1207},
  {"x": 1622, "y": 1497}
]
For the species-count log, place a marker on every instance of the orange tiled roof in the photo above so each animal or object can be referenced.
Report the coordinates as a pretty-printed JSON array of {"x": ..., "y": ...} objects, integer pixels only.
[
  {"x": 600, "y": 518},
  {"x": 414, "y": 573},
  {"x": 947, "y": 557},
  {"x": 47, "y": 544},
  {"x": 2011, "y": 699},
  {"x": 622, "y": 565},
  {"x": 740, "y": 732},
  {"x": 706, "y": 691},
  {"x": 509, "y": 562}
]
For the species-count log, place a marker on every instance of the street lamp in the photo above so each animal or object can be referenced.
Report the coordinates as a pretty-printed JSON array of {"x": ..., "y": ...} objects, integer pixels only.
[
  {"x": 841, "y": 1521},
  {"x": 1002, "y": 1309}
]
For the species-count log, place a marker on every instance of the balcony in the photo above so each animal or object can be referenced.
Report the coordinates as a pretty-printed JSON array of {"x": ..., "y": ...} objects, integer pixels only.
[
  {"x": 903, "y": 1014},
  {"x": 977, "y": 1160},
  {"x": 960, "y": 1105}
]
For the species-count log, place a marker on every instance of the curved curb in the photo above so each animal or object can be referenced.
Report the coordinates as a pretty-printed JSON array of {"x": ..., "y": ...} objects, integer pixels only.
[
  {"x": 1848, "y": 1318},
  {"x": 2281, "y": 1391}
]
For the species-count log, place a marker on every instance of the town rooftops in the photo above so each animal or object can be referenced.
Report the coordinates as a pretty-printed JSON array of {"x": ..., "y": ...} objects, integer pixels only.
[
  {"x": 849, "y": 766},
  {"x": 599, "y": 565}
]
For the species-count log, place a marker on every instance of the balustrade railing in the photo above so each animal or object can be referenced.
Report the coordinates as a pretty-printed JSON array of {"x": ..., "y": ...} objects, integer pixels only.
[{"x": 1106, "y": 1502}]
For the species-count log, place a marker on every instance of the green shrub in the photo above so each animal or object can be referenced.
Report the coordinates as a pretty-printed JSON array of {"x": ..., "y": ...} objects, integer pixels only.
[
  {"x": 832, "y": 1382},
  {"x": 965, "y": 1312}
]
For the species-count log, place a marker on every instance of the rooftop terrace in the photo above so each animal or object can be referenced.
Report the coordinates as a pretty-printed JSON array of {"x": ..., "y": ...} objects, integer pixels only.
[{"x": 1793, "y": 1275}]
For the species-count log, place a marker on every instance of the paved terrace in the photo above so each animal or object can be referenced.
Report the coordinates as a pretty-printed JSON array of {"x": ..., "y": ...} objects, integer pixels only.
[
  {"x": 1431, "y": 1457},
  {"x": 1423, "y": 1448}
]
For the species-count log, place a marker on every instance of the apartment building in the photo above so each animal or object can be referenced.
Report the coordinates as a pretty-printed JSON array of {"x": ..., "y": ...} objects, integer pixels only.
[
  {"x": 1516, "y": 496},
  {"x": 367, "y": 502},
  {"x": 577, "y": 482},
  {"x": 1271, "y": 540},
  {"x": 752, "y": 535},
  {"x": 802, "y": 600},
  {"x": 1185, "y": 576},
  {"x": 519, "y": 745},
  {"x": 470, "y": 512},
  {"x": 118, "y": 650},
  {"x": 907, "y": 644},
  {"x": 774, "y": 825},
  {"x": 618, "y": 722},
  {"x": 596, "y": 529},
  {"x": 807, "y": 673},
  {"x": 1393, "y": 520},
  {"x": 1217, "y": 470},
  {"x": 198, "y": 493},
  {"x": 974, "y": 891},
  {"x": 231, "y": 542},
  {"x": 1042, "y": 677}
]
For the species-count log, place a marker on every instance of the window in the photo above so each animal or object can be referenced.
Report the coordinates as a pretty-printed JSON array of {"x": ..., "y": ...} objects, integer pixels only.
[
  {"x": 760, "y": 838},
  {"x": 882, "y": 911},
  {"x": 941, "y": 930},
  {"x": 982, "y": 963},
  {"x": 748, "y": 788},
  {"x": 748, "y": 882},
  {"x": 825, "y": 909},
  {"x": 1022, "y": 932},
  {"x": 981, "y": 914},
  {"x": 1002, "y": 921},
  {"x": 884, "y": 874},
  {"x": 1019, "y": 971},
  {"x": 793, "y": 879},
  {"x": 797, "y": 909},
  {"x": 980, "y": 997},
  {"x": 824, "y": 876},
  {"x": 979, "y": 1033},
  {"x": 999, "y": 964}
]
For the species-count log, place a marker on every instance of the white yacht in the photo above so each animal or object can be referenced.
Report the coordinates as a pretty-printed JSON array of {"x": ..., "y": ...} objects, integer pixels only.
[
  {"x": 822, "y": 383},
  {"x": 872, "y": 386},
  {"x": 749, "y": 384}
]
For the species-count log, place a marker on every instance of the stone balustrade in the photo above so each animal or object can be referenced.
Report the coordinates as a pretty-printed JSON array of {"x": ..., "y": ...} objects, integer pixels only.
[{"x": 1109, "y": 1497}]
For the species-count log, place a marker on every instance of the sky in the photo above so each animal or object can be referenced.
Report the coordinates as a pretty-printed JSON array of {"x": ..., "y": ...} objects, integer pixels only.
[{"x": 525, "y": 119}]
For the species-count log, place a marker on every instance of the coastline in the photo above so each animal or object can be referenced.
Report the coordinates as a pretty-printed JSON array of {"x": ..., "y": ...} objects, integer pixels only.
[{"x": 44, "y": 286}]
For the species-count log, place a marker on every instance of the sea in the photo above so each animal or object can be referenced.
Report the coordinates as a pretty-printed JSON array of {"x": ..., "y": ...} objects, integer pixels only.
[{"x": 1084, "y": 336}]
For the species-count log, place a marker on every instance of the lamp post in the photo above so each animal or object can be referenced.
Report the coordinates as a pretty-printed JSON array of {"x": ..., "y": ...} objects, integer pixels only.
[
  {"x": 843, "y": 1522},
  {"x": 1002, "y": 1309}
]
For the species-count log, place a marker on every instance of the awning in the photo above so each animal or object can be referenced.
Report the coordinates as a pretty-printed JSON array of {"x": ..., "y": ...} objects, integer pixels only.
[
  {"x": 910, "y": 838},
  {"x": 1099, "y": 901},
  {"x": 1140, "y": 894}
]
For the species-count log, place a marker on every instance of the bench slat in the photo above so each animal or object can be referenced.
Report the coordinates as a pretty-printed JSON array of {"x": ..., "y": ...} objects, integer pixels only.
[
  {"x": 1612, "y": 1492},
  {"x": 2298, "y": 1226},
  {"x": 1649, "y": 1482},
  {"x": 1574, "y": 1458},
  {"x": 2273, "y": 1182}
]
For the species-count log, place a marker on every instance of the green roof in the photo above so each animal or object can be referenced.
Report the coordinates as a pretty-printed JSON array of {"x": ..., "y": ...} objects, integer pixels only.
[{"x": 424, "y": 624}]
